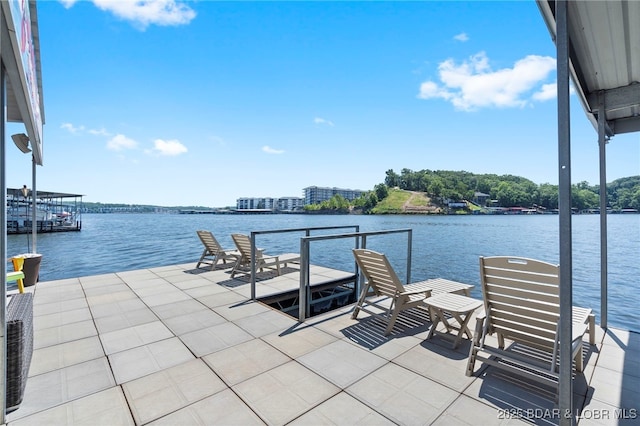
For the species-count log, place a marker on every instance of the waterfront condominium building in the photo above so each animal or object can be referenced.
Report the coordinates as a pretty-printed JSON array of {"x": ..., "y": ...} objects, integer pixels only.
[
  {"x": 290, "y": 203},
  {"x": 251, "y": 203},
  {"x": 316, "y": 194},
  {"x": 268, "y": 203}
]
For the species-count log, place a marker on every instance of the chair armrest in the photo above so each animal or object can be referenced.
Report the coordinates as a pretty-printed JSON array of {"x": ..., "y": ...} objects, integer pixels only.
[{"x": 426, "y": 291}]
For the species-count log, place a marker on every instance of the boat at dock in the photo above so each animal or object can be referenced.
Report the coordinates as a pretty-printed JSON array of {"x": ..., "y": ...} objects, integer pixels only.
[{"x": 55, "y": 212}]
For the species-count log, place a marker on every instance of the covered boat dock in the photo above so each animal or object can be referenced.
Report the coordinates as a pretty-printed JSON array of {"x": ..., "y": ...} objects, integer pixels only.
[{"x": 55, "y": 212}]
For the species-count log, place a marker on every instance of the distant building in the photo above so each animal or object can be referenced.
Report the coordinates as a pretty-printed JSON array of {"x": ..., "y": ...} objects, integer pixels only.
[
  {"x": 290, "y": 203},
  {"x": 251, "y": 203},
  {"x": 268, "y": 203},
  {"x": 481, "y": 198},
  {"x": 316, "y": 194}
]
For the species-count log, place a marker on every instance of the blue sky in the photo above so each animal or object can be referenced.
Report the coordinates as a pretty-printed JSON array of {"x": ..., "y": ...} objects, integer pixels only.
[{"x": 200, "y": 103}]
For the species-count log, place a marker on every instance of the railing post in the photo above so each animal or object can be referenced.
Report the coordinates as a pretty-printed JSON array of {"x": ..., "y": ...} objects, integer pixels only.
[
  {"x": 409, "y": 248},
  {"x": 304, "y": 280},
  {"x": 253, "y": 266}
]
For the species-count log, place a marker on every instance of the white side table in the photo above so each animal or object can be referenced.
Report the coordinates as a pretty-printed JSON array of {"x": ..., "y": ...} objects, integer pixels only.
[{"x": 458, "y": 307}]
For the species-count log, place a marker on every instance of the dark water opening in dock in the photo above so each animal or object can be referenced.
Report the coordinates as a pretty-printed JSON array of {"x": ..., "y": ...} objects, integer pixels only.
[{"x": 324, "y": 298}]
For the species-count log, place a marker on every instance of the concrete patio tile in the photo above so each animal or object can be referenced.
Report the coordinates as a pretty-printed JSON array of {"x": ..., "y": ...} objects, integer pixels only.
[
  {"x": 64, "y": 355},
  {"x": 368, "y": 334},
  {"x": 122, "y": 320},
  {"x": 59, "y": 306},
  {"x": 341, "y": 363},
  {"x": 148, "y": 283},
  {"x": 63, "y": 385},
  {"x": 598, "y": 413},
  {"x": 137, "y": 275},
  {"x": 132, "y": 337},
  {"x": 106, "y": 408},
  {"x": 198, "y": 320},
  {"x": 99, "y": 280},
  {"x": 138, "y": 362},
  {"x": 299, "y": 341},
  {"x": 241, "y": 362},
  {"x": 466, "y": 411},
  {"x": 615, "y": 388},
  {"x": 221, "y": 299},
  {"x": 166, "y": 391},
  {"x": 109, "y": 298},
  {"x": 117, "y": 307},
  {"x": 342, "y": 409},
  {"x": 165, "y": 298},
  {"x": 57, "y": 283},
  {"x": 334, "y": 322},
  {"x": 206, "y": 289},
  {"x": 241, "y": 310},
  {"x": 106, "y": 289},
  {"x": 211, "y": 339},
  {"x": 223, "y": 408},
  {"x": 440, "y": 364},
  {"x": 44, "y": 337},
  {"x": 186, "y": 282},
  {"x": 61, "y": 318},
  {"x": 53, "y": 295},
  {"x": 621, "y": 338},
  {"x": 265, "y": 323},
  {"x": 618, "y": 359},
  {"x": 505, "y": 391},
  {"x": 182, "y": 307},
  {"x": 403, "y": 396},
  {"x": 153, "y": 287},
  {"x": 285, "y": 392}
]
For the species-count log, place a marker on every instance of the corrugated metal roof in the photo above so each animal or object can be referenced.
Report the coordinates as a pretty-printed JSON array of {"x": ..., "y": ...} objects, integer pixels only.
[
  {"x": 605, "y": 58},
  {"x": 43, "y": 194}
]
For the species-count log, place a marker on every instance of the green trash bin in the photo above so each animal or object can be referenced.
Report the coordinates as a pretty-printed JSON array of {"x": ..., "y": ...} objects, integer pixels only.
[{"x": 31, "y": 268}]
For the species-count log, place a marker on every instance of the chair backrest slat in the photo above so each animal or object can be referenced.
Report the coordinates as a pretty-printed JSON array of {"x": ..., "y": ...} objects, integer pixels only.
[
  {"x": 209, "y": 241},
  {"x": 243, "y": 243},
  {"x": 522, "y": 299},
  {"x": 379, "y": 272}
]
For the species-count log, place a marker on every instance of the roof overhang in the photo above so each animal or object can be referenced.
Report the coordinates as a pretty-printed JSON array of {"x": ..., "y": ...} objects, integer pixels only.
[
  {"x": 20, "y": 49},
  {"x": 604, "y": 61}
]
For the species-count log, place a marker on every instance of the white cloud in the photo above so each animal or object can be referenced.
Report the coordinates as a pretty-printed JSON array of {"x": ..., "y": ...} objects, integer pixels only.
[
  {"x": 169, "y": 148},
  {"x": 322, "y": 121},
  {"x": 270, "y": 150},
  {"x": 71, "y": 128},
  {"x": 120, "y": 142},
  {"x": 473, "y": 84},
  {"x": 67, "y": 3},
  {"x": 142, "y": 13},
  {"x": 99, "y": 132},
  {"x": 461, "y": 37},
  {"x": 546, "y": 92}
]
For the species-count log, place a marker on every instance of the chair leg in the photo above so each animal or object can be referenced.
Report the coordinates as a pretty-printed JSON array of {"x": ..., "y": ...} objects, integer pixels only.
[
  {"x": 396, "y": 310},
  {"x": 235, "y": 267},
  {"x": 579, "y": 360},
  {"x": 361, "y": 299},
  {"x": 204, "y": 253},
  {"x": 475, "y": 347}
]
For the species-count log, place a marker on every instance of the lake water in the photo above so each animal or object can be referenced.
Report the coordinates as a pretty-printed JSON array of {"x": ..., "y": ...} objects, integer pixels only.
[{"x": 443, "y": 246}]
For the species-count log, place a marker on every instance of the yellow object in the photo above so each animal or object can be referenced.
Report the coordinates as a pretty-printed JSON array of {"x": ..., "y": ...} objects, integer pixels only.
[{"x": 18, "y": 263}]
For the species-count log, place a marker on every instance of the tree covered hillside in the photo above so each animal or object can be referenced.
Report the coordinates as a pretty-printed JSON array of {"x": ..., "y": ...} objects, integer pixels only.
[{"x": 509, "y": 190}]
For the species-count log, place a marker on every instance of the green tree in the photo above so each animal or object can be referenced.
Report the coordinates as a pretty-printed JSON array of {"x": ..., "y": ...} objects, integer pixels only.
[
  {"x": 381, "y": 191},
  {"x": 392, "y": 179}
]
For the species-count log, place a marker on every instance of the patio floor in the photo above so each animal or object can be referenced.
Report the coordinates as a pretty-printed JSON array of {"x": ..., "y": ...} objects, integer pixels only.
[{"x": 179, "y": 346}]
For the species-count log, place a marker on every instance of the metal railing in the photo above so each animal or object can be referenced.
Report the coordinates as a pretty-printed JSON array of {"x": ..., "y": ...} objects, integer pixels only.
[
  {"x": 307, "y": 232},
  {"x": 360, "y": 242}
]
